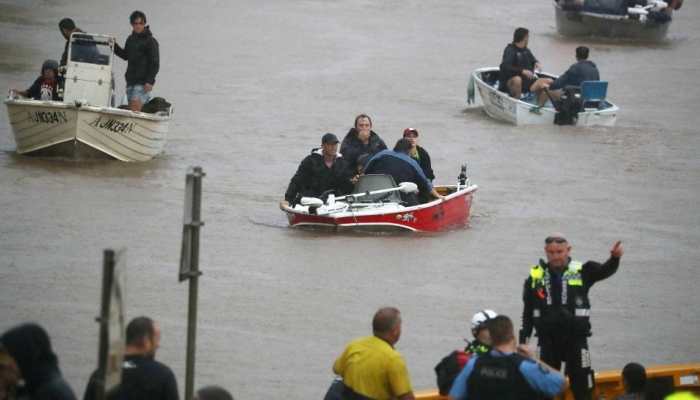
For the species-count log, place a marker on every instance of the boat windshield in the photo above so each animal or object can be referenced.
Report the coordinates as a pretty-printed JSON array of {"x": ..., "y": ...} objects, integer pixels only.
[
  {"x": 372, "y": 182},
  {"x": 91, "y": 50}
]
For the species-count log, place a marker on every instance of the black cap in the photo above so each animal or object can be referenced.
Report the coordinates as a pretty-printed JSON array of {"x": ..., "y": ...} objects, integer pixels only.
[
  {"x": 329, "y": 138},
  {"x": 67, "y": 23}
]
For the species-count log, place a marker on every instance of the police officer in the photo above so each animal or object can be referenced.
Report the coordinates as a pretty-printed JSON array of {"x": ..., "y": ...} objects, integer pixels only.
[
  {"x": 505, "y": 372},
  {"x": 556, "y": 304}
]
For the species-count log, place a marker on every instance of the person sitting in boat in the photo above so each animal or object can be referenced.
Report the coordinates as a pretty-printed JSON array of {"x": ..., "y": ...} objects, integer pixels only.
[
  {"x": 323, "y": 170},
  {"x": 361, "y": 139},
  {"x": 518, "y": 66},
  {"x": 582, "y": 70},
  {"x": 402, "y": 168},
  {"x": 418, "y": 153},
  {"x": 45, "y": 87}
]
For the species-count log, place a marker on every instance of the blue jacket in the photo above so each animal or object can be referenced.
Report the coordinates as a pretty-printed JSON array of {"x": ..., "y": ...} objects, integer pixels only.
[
  {"x": 401, "y": 167},
  {"x": 583, "y": 70}
]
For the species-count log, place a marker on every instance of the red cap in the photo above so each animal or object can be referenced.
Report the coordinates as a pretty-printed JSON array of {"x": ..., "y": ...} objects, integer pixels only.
[{"x": 410, "y": 131}]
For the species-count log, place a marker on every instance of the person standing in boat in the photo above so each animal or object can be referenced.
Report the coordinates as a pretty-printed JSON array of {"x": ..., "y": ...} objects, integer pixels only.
[
  {"x": 582, "y": 70},
  {"x": 403, "y": 168},
  {"x": 518, "y": 66},
  {"x": 323, "y": 170},
  {"x": 556, "y": 305},
  {"x": 142, "y": 54},
  {"x": 67, "y": 27},
  {"x": 418, "y": 153},
  {"x": 361, "y": 139},
  {"x": 45, "y": 87}
]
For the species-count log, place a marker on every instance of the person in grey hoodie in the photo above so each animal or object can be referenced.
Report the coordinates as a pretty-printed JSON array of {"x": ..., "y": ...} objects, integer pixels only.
[{"x": 582, "y": 70}]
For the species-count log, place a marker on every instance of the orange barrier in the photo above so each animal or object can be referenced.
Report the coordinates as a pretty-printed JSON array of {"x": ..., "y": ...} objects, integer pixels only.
[{"x": 684, "y": 377}]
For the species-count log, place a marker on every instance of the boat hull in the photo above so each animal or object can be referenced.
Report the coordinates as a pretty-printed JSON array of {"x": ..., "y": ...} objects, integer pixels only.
[
  {"x": 579, "y": 23},
  {"x": 435, "y": 216},
  {"x": 60, "y": 129},
  {"x": 500, "y": 106}
]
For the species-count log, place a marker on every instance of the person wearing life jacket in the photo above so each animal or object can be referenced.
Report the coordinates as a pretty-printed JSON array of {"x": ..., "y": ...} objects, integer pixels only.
[
  {"x": 556, "y": 305},
  {"x": 450, "y": 366},
  {"x": 507, "y": 371},
  {"x": 323, "y": 170}
]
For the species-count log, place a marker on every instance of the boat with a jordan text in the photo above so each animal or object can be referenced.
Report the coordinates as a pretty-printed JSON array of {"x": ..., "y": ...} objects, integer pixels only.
[{"x": 86, "y": 123}]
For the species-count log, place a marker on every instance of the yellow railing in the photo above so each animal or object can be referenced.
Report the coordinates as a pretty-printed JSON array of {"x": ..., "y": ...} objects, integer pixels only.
[{"x": 609, "y": 383}]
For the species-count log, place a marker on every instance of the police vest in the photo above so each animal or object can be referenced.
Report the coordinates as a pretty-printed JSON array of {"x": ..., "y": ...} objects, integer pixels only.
[
  {"x": 574, "y": 298},
  {"x": 499, "y": 378}
]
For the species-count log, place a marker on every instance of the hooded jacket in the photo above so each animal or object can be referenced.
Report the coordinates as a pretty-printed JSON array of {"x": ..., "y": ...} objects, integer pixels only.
[
  {"x": 46, "y": 89},
  {"x": 352, "y": 147},
  {"x": 313, "y": 177},
  {"x": 141, "y": 52},
  {"x": 30, "y": 346}
]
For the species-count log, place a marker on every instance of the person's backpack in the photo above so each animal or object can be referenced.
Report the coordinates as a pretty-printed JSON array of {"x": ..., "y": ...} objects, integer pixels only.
[
  {"x": 448, "y": 369},
  {"x": 155, "y": 105}
]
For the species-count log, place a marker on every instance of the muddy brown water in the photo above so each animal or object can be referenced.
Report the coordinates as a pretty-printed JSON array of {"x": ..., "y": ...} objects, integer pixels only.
[{"x": 255, "y": 85}]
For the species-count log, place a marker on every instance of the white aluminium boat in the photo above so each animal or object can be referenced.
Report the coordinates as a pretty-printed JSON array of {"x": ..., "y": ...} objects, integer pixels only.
[
  {"x": 501, "y": 106},
  {"x": 86, "y": 123}
]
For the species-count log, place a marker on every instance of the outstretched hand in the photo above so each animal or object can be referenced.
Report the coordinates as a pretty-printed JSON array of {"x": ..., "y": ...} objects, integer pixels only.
[{"x": 617, "y": 250}]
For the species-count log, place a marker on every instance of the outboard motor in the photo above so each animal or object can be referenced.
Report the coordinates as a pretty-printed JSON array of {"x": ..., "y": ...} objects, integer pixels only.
[
  {"x": 462, "y": 178},
  {"x": 569, "y": 106}
]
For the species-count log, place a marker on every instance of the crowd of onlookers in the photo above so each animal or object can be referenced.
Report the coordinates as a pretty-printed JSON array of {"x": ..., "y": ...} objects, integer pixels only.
[
  {"x": 29, "y": 368},
  {"x": 492, "y": 366}
]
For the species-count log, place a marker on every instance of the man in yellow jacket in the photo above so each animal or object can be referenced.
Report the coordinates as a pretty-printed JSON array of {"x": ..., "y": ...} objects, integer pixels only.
[{"x": 370, "y": 366}]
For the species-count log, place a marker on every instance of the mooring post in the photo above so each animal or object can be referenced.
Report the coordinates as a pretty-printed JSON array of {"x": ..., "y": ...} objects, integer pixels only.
[{"x": 189, "y": 267}]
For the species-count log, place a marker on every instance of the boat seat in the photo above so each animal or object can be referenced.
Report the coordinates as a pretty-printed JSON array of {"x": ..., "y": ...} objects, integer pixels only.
[
  {"x": 371, "y": 182},
  {"x": 593, "y": 94}
]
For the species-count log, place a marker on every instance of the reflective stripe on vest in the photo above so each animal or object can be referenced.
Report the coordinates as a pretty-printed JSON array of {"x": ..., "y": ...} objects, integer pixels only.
[
  {"x": 582, "y": 312},
  {"x": 570, "y": 277}
]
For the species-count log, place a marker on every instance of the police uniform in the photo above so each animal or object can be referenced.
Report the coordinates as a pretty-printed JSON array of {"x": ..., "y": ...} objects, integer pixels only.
[{"x": 557, "y": 306}]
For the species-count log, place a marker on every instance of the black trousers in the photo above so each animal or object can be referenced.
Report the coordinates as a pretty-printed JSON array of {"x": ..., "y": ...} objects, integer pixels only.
[{"x": 556, "y": 348}]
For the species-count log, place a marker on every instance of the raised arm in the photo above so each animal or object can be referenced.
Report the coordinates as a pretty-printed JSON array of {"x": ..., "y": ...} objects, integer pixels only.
[{"x": 593, "y": 272}]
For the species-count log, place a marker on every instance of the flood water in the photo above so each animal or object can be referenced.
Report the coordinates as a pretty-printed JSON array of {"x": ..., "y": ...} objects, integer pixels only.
[{"x": 255, "y": 85}]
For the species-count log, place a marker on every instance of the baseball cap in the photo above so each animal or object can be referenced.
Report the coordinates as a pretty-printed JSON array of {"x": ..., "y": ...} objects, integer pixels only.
[
  {"x": 410, "y": 131},
  {"x": 329, "y": 138}
]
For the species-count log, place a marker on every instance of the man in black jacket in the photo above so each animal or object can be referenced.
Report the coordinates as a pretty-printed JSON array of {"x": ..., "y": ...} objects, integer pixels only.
[
  {"x": 67, "y": 27},
  {"x": 556, "y": 304},
  {"x": 143, "y": 378},
  {"x": 141, "y": 53},
  {"x": 29, "y": 347},
  {"x": 360, "y": 140},
  {"x": 322, "y": 170},
  {"x": 517, "y": 69}
]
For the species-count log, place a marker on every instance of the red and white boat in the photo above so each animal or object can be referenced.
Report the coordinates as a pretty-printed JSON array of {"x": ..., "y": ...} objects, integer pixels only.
[{"x": 377, "y": 205}]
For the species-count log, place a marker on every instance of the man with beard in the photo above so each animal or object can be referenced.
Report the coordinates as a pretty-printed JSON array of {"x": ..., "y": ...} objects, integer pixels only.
[{"x": 556, "y": 304}]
